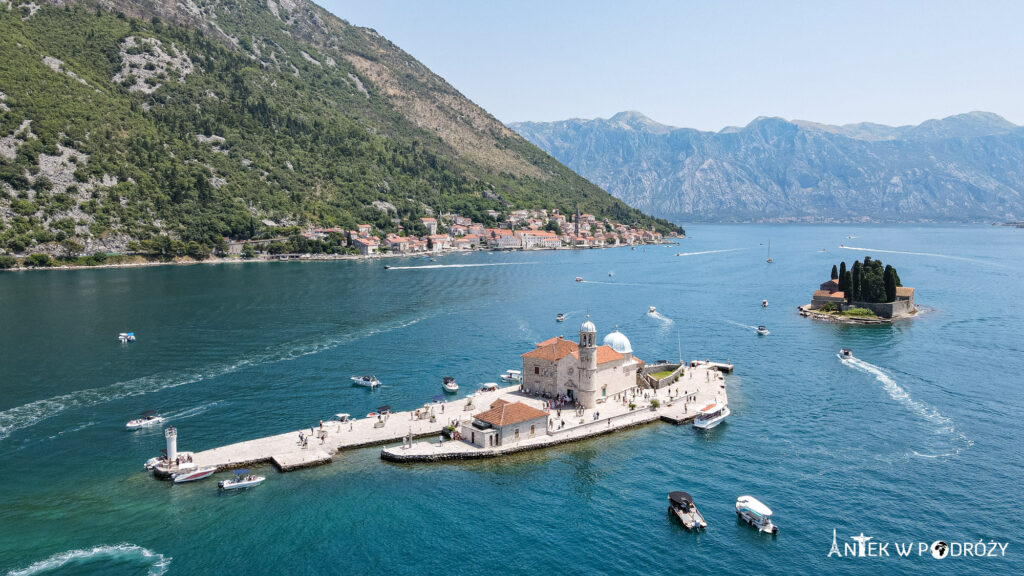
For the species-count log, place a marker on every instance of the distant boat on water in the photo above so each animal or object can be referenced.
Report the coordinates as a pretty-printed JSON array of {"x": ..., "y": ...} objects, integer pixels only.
[
  {"x": 365, "y": 381},
  {"x": 769, "y": 260}
]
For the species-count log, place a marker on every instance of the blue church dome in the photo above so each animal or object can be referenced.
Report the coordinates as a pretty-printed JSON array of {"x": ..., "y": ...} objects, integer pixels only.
[{"x": 618, "y": 342}]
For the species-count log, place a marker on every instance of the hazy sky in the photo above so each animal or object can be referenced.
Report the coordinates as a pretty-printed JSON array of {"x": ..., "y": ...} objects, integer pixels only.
[{"x": 712, "y": 64}]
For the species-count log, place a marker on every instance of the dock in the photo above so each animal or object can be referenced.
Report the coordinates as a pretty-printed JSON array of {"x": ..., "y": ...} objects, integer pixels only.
[{"x": 678, "y": 403}]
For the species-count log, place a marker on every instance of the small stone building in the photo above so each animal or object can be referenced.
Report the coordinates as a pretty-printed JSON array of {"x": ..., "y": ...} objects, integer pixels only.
[{"x": 505, "y": 423}]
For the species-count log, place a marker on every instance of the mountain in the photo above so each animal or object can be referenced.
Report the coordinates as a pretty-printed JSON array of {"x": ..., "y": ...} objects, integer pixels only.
[
  {"x": 968, "y": 167},
  {"x": 198, "y": 119}
]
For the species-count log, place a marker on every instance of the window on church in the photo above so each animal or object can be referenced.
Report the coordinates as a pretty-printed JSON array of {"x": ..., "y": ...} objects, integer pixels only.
[
  {"x": 533, "y": 428},
  {"x": 536, "y": 369}
]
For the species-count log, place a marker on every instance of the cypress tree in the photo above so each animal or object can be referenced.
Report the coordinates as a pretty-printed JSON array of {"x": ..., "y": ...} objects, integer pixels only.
[
  {"x": 845, "y": 284},
  {"x": 842, "y": 268},
  {"x": 890, "y": 284},
  {"x": 855, "y": 281},
  {"x": 835, "y": 272}
]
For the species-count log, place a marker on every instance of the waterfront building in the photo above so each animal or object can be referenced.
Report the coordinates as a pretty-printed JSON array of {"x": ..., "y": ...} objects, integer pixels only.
[
  {"x": 583, "y": 371},
  {"x": 431, "y": 224},
  {"x": 364, "y": 230},
  {"x": 504, "y": 423},
  {"x": 366, "y": 246}
]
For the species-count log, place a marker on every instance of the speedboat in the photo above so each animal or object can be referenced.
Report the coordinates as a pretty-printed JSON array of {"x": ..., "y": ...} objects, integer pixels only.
[
  {"x": 512, "y": 376},
  {"x": 711, "y": 415},
  {"x": 145, "y": 420},
  {"x": 845, "y": 354},
  {"x": 449, "y": 385},
  {"x": 753, "y": 512},
  {"x": 764, "y": 303},
  {"x": 125, "y": 337},
  {"x": 559, "y": 317},
  {"x": 680, "y": 505},
  {"x": 198, "y": 474},
  {"x": 241, "y": 480},
  {"x": 579, "y": 278},
  {"x": 489, "y": 387},
  {"x": 366, "y": 381},
  {"x": 762, "y": 330},
  {"x": 651, "y": 310}
]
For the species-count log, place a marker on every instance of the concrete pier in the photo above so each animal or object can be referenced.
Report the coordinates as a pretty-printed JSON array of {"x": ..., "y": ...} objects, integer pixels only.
[{"x": 679, "y": 402}]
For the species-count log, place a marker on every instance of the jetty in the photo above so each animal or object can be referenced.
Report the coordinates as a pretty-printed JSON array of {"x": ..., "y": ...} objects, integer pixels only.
[{"x": 676, "y": 403}]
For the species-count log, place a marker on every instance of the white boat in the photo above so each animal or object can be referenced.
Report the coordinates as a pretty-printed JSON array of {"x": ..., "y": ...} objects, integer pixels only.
[
  {"x": 762, "y": 330},
  {"x": 153, "y": 462},
  {"x": 579, "y": 278},
  {"x": 680, "y": 505},
  {"x": 489, "y": 387},
  {"x": 512, "y": 376},
  {"x": 845, "y": 354},
  {"x": 241, "y": 480},
  {"x": 449, "y": 385},
  {"x": 125, "y": 337},
  {"x": 145, "y": 420},
  {"x": 753, "y": 512},
  {"x": 764, "y": 303},
  {"x": 366, "y": 381},
  {"x": 560, "y": 317},
  {"x": 711, "y": 415},
  {"x": 651, "y": 310},
  {"x": 199, "y": 474}
]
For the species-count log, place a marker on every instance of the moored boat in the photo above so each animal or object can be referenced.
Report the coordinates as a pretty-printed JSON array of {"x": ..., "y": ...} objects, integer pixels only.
[
  {"x": 198, "y": 474},
  {"x": 367, "y": 381},
  {"x": 241, "y": 480},
  {"x": 449, "y": 385},
  {"x": 711, "y": 415},
  {"x": 680, "y": 505},
  {"x": 753, "y": 512},
  {"x": 512, "y": 376},
  {"x": 489, "y": 387},
  {"x": 145, "y": 420},
  {"x": 125, "y": 337},
  {"x": 845, "y": 354}
]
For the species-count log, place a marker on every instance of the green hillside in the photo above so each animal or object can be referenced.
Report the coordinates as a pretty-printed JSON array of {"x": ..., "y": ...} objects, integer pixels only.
[{"x": 201, "y": 120}]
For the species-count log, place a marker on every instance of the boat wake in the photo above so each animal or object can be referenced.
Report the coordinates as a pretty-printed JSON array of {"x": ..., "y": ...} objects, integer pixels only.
[
  {"x": 932, "y": 254},
  {"x": 708, "y": 252},
  {"x": 120, "y": 554},
  {"x": 943, "y": 424},
  {"x": 26, "y": 415},
  {"x": 190, "y": 412},
  {"x": 611, "y": 283},
  {"x": 437, "y": 266},
  {"x": 754, "y": 328},
  {"x": 661, "y": 318}
]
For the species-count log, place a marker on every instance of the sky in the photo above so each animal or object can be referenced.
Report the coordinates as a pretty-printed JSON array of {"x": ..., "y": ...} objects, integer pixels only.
[{"x": 708, "y": 64}]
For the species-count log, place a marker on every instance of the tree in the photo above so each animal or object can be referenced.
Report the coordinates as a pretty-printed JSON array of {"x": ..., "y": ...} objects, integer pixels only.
[
  {"x": 889, "y": 278},
  {"x": 847, "y": 281},
  {"x": 842, "y": 268},
  {"x": 7, "y": 261},
  {"x": 835, "y": 272},
  {"x": 71, "y": 248},
  {"x": 38, "y": 260},
  {"x": 248, "y": 251},
  {"x": 552, "y": 226},
  {"x": 197, "y": 251},
  {"x": 855, "y": 281}
]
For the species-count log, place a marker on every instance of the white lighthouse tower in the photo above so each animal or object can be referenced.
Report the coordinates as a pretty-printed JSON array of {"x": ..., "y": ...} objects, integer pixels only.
[
  {"x": 172, "y": 443},
  {"x": 587, "y": 388}
]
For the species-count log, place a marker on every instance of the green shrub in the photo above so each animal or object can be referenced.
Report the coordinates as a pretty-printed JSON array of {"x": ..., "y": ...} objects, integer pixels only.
[
  {"x": 38, "y": 260},
  {"x": 7, "y": 261},
  {"x": 859, "y": 312}
]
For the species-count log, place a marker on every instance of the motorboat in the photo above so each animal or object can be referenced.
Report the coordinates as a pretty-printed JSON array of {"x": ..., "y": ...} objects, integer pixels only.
[
  {"x": 845, "y": 354},
  {"x": 197, "y": 474},
  {"x": 611, "y": 274},
  {"x": 343, "y": 417},
  {"x": 449, "y": 385},
  {"x": 764, "y": 303},
  {"x": 145, "y": 420},
  {"x": 241, "y": 480},
  {"x": 125, "y": 337},
  {"x": 512, "y": 376},
  {"x": 652, "y": 310},
  {"x": 559, "y": 317},
  {"x": 762, "y": 330},
  {"x": 711, "y": 415},
  {"x": 489, "y": 387},
  {"x": 153, "y": 462},
  {"x": 579, "y": 278},
  {"x": 753, "y": 512},
  {"x": 680, "y": 505},
  {"x": 366, "y": 381}
]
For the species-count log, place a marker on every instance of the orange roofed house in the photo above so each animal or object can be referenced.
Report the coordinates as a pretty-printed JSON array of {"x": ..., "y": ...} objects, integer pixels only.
[
  {"x": 506, "y": 422},
  {"x": 583, "y": 371}
]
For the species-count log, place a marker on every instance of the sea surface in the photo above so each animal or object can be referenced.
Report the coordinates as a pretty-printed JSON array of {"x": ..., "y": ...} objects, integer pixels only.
[{"x": 919, "y": 439}]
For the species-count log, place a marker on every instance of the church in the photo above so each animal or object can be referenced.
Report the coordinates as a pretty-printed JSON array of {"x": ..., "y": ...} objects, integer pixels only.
[{"x": 583, "y": 371}]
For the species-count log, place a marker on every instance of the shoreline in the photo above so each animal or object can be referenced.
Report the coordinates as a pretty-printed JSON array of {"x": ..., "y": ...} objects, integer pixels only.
[
  {"x": 304, "y": 258},
  {"x": 807, "y": 312}
]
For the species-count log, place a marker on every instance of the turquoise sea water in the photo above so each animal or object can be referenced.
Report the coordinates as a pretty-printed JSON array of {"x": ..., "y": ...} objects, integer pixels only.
[{"x": 919, "y": 440}]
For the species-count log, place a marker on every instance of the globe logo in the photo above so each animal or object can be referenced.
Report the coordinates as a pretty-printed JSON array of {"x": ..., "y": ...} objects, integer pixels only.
[{"x": 940, "y": 549}]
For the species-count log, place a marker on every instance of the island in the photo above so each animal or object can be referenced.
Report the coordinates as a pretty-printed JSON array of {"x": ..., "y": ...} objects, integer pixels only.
[{"x": 869, "y": 292}]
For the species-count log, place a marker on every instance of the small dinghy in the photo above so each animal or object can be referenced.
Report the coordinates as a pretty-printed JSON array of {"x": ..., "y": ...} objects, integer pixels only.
[
  {"x": 198, "y": 474},
  {"x": 241, "y": 480},
  {"x": 680, "y": 505}
]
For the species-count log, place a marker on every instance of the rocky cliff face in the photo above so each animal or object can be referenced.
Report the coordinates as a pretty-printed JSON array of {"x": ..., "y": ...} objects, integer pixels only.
[{"x": 968, "y": 167}]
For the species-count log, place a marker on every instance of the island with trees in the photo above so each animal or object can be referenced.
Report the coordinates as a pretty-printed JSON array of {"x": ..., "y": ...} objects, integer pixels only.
[{"x": 868, "y": 292}]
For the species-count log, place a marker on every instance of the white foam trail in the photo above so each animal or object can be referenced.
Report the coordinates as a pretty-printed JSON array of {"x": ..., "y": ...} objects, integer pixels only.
[
  {"x": 754, "y": 328},
  {"x": 659, "y": 316},
  {"x": 708, "y": 252},
  {"x": 30, "y": 414},
  {"x": 436, "y": 266},
  {"x": 611, "y": 283},
  {"x": 190, "y": 412},
  {"x": 932, "y": 254},
  {"x": 158, "y": 563},
  {"x": 943, "y": 424}
]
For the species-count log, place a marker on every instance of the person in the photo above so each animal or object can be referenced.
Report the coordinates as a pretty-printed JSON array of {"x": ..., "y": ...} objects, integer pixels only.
[
  {"x": 321, "y": 424},
  {"x": 442, "y": 408},
  {"x": 351, "y": 426}
]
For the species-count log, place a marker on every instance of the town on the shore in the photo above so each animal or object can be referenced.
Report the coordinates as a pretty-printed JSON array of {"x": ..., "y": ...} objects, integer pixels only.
[{"x": 519, "y": 230}]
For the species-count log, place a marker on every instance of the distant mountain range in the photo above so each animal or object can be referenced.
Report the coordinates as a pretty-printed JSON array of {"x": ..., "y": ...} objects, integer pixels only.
[{"x": 968, "y": 167}]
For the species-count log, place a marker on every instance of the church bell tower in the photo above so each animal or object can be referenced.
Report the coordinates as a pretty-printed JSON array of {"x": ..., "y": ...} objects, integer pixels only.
[{"x": 588, "y": 363}]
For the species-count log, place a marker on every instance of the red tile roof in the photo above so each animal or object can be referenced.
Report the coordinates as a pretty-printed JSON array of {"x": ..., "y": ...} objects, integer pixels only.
[
  {"x": 604, "y": 354},
  {"x": 510, "y": 413},
  {"x": 552, "y": 350}
]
